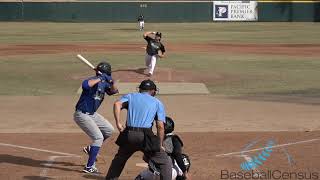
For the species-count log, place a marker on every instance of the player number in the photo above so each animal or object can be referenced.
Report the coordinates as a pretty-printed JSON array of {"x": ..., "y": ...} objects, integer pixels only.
[{"x": 143, "y": 5}]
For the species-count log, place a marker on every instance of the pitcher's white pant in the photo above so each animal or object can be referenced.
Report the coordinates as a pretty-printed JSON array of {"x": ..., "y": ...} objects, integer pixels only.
[
  {"x": 151, "y": 62},
  {"x": 141, "y": 25},
  {"x": 148, "y": 175}
]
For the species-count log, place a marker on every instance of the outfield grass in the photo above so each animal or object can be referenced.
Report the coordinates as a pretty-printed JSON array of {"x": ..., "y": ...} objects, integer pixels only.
[
  {"x": 249, "y": 74},
  {"x": 28, "y": 33}
]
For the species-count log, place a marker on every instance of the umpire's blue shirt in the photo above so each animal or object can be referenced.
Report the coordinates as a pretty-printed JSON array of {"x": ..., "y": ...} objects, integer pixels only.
[{"x": 142, "y": 109}]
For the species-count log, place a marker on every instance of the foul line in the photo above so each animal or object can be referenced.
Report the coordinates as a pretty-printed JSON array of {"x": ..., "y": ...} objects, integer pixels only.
[
  {"x": 48, "y": 164},
  {"x": 276, "y": 146},
  {"x": 36, "y": 149}
]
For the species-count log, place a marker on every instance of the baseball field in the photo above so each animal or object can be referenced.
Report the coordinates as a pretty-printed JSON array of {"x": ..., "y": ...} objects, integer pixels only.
[{"x": 262, "y": 78}]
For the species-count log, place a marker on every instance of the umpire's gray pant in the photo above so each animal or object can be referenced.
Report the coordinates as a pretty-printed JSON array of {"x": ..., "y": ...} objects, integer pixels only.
[{"x": 95, "y": 126}]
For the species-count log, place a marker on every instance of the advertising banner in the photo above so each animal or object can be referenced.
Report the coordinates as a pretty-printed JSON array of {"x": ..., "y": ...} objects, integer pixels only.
[{"x": 235, "y": 11}]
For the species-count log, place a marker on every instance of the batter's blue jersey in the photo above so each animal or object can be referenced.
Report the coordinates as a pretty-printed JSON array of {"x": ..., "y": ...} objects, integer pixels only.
[
  {"x": 92, "y": 97},
  {"x": 142, "y": 109}
]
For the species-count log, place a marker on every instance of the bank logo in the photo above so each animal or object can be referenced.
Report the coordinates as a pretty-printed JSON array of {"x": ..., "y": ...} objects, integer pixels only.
[{"x": 221, "y": 11}]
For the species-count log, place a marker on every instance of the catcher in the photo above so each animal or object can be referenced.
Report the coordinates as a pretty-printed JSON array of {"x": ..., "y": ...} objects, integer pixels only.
[
  {"x": 155, "y": 49},
  {"x": 173, "y": 146}
]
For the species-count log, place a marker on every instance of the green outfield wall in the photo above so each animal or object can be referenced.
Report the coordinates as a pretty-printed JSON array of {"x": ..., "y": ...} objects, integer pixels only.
[
  {"x": 153, "y": 11},
  {"x": 106, "y": 11},
  {"x": 289, "y": 11}
]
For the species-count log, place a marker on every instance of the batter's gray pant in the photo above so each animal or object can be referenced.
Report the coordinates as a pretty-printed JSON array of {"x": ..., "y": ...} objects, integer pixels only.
[{"x": 95, "y": 126}]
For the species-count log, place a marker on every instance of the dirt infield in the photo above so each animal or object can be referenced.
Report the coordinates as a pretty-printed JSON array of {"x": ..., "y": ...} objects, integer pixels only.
[
  {"x": 208, "y": 161},
  {"x": 196, "y": 113},
  {"x": 270, "y": 49},
  {"x": 48, "y": 144}
]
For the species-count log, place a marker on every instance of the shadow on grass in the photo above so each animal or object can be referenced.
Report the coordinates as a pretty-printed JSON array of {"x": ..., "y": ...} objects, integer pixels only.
[{"x": 309, "y": 96}]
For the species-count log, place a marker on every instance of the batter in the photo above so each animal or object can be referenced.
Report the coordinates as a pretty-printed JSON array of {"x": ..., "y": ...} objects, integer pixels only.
[{"x": 86, "y": 117}]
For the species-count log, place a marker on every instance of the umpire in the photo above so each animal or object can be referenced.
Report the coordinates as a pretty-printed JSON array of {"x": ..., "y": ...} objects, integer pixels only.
[{"x": 143, "y": 108}]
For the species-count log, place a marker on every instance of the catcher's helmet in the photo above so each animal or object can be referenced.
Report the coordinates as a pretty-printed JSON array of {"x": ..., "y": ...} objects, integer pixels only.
[
  {"x": 104, "y": 67},
  {"x": 169, "y": 126},
  {"x": 148, "y": 85},
  {"x": 186, "y": 161}
]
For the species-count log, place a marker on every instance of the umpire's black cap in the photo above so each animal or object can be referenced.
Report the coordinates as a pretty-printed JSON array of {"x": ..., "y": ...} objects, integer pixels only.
[{"x": 148, "y": 85}]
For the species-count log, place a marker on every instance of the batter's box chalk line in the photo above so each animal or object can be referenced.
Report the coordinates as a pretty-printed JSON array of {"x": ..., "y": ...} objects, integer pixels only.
[
  {"x": 49, "y": 163},
  {"x": 271, "y": 147},
  {"x": 38, "y": 149},
  {"x": 50, "y": 160}
]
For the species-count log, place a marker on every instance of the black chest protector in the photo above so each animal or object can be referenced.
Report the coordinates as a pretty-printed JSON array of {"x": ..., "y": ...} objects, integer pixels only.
[{"x": 168, "y": 142}]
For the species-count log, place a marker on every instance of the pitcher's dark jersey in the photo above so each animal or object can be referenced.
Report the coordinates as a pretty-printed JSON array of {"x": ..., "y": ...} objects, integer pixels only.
[{"x": 153, "y": 46}]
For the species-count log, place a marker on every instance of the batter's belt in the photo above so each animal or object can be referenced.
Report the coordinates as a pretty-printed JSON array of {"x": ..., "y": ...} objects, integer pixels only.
[{"x": 84, "y": 112}]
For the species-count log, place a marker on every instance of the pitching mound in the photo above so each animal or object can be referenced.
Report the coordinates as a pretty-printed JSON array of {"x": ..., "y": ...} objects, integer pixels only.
[{"x": 165, "y": 75}]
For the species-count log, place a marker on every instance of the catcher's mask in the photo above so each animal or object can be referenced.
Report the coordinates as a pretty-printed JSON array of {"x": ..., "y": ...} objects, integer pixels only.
[
  {"x": 148, "y": 85},
  {"x": 169, "y": 125},
  {"x": 104, "y": 67}
]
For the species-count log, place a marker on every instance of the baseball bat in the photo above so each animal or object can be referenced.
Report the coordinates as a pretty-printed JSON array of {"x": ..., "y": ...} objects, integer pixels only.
[{"x": 88, "y": 63}]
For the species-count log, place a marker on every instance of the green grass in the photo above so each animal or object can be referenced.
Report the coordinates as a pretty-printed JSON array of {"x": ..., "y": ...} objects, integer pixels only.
[
  {"x": 246, "y": 74},
  {"x": 28, "y": 33},
  {"x": 253, "y": 74}
]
